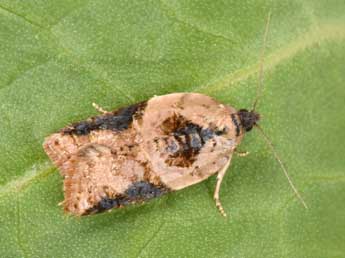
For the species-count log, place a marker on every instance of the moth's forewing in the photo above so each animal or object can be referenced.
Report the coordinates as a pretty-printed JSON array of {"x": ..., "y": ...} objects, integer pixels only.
[{"x": 143, "y": 151}]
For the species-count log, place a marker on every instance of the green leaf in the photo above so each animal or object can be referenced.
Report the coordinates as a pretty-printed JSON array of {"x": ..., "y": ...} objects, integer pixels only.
[{"x": 57, "y": 57}]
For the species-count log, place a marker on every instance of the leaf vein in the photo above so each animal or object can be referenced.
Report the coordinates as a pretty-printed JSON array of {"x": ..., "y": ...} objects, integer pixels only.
[
  {"x": 22, "y": 72},
  {"x": 172, "y": 15},
  {"x": 20, "y": 183},
  {"x": 149, "y": 241},
  {"x": 92, "y": 70},
  {"x": 22, "y": 17},
  {"x": 332, "y": 31}
]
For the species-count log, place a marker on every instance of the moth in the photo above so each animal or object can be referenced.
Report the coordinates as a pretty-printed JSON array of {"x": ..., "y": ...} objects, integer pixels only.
[{"x": 148, "y": 149}]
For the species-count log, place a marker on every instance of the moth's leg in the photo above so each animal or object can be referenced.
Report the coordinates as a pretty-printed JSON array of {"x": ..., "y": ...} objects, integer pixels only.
[
  {"x": 241, "y": 153},
  {"x": 220, "y": 177},
  {"x": 100, "y": 109}
]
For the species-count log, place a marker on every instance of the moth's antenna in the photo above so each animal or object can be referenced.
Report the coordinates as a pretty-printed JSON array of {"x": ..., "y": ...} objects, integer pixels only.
[
  {"x": 261, "y": 68},
  {"x": 269, "y": 143}
]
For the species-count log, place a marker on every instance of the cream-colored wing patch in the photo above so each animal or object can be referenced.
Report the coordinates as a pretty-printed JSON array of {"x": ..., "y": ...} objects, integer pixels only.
[
  {"x": 199, "y": 174},
  {"x": 187, "y": 138}
]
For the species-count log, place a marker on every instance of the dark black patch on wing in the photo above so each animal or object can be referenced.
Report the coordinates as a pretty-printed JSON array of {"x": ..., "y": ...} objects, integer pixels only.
[
  {"x": 143, "y": 191},
  {"x": 136, "y": 193},
  {"x": 118, "y": 120},
  {"x": 189, "y": 137}
]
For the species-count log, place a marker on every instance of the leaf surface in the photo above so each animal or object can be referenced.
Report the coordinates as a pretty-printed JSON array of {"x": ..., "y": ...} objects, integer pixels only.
[{"x": 57, "y": 57}]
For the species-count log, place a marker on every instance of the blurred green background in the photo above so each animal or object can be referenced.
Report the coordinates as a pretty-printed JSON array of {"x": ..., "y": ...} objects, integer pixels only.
[{"x": 57, "y": 57}]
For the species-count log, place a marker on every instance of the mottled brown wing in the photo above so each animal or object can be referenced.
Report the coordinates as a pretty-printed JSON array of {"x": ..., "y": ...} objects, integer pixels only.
[
  {"x": 98, "y": 180},
  {"x": 187, "y": 137},
  {"x": 112, "y": 129},
  {"x": 88, "y": 178},
  {"x": 96, "y": 167},
  {"x": 60, "y": 147},
  {"x": 102, "y": 169}
]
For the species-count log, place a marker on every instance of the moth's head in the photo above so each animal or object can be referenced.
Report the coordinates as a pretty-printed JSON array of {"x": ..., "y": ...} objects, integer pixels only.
[{"x": 248, "y": 118}]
